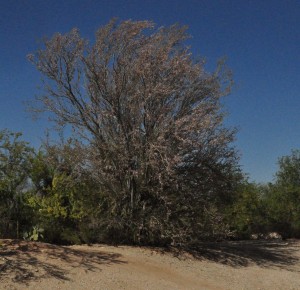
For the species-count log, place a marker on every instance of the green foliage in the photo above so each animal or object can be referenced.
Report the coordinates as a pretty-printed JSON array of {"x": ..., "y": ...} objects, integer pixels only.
[
  {"x": 56, "y": 190},
  {"x": 35, "y": 235},
  {"x": 62, "y": 201},
  {"x": 247, "y": 214},
  {"x": 288, "y": 174},
  {"x": 41, "y": 173},
  {"x": 283, "y": 197},
  {"x": 271, "y": 208},
  {"x": 15, "y": 165}
]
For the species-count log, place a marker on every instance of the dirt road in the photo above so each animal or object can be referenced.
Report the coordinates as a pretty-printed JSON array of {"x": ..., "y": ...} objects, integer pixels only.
[{"x": 228, "y": 265}]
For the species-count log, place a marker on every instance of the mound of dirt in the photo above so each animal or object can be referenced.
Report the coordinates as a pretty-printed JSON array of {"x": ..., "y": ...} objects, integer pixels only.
[{"x": 226, "y": 265}]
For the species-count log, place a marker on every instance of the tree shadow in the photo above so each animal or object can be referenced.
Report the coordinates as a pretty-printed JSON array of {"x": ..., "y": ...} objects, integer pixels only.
[
  {"x": 264, "y": 253},
  {"x": 23, "y": 262}
]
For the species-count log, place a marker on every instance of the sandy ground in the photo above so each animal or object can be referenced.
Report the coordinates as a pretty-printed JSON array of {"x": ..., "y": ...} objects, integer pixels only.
[{"x": 226, "y": 265}]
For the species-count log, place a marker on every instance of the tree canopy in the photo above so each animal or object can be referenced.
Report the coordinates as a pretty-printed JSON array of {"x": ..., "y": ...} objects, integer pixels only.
[{"x": 151, "y": 120}]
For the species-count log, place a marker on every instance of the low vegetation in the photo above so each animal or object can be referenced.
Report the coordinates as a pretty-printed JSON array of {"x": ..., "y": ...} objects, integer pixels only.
[{"x": 45, "y": 197}]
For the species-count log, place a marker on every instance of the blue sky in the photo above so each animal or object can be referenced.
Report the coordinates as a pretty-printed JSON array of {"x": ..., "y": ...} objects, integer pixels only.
[{"x": 261, "y": 40}]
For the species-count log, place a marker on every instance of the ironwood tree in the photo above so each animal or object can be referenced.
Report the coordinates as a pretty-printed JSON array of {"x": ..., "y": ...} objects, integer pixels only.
[{"x": 151, "y": 124}]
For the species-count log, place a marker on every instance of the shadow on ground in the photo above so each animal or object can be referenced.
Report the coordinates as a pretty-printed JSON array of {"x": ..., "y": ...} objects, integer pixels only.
[
  {"x": 264, "y": 253},
  {"x": 23, "y": 262}
]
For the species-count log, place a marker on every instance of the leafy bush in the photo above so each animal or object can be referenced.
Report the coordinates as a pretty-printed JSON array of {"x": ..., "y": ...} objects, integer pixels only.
[
  {"x": 247, "y": 214},
  {"x": 15, "y": 165},
  {"x": 35, "y": 235}
]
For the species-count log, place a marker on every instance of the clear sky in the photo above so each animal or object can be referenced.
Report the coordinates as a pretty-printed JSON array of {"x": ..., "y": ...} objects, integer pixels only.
[{"x": 260, "y": 38}]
